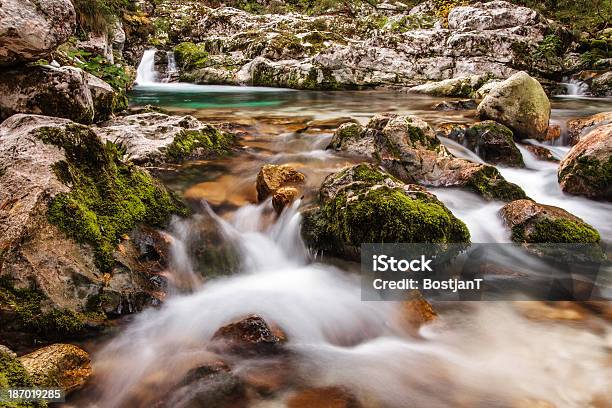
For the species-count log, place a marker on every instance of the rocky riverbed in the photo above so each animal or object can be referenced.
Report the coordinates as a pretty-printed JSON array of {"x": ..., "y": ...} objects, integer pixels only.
[{"x": 212, "y": 172}]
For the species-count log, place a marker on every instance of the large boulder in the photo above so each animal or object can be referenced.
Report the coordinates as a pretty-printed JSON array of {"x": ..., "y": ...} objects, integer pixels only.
[
  {"x": 106, "y": 101},
  {"x": 62, "y": 366},
  {"x": 362, "y": 204},
  {"x": 493, "y": 142},
  {"x": 531, "y": 222},
  {"x": 519, "y": 103},
  {"x": 155, "y": 138},
  {"x": 31, "y": 29},
  {"x": 576, "y": 128},
  {"x": 408, "y": 148},
  {"x": 460, "y": 87},
  {"x": 491, "y": 16},
  {"x": 272, "y": 177},
  {"x": 587, "y": 168},
  {"x": 67, "y": 202},
  {"x": 601, "y": 85}
]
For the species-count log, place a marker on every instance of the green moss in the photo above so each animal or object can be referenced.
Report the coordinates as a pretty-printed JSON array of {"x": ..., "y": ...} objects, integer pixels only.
[
  {"x": 29, "y": 308},
  {"x": 490, "y": 184},
  {"x": 558, "y": 230},
  {"x": 191, "y": 56},
  {"x": 210, "y": 140},
  {"x": 14, "y": 375},
  {"x": 596, "y": 174},
  {"x": 107, "y": 197}
]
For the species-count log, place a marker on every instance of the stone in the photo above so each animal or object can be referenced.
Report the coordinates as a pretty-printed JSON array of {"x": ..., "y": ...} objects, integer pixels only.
[
  {"x": 283, "y": 197},
  {"x": 461, "y": 87},
  {"x": 62, "y": 366},
  {"x": 271, "y": 177},
  {"x": 106, "y": 101},
  {"x": 587, "y": 168},
  {"x": 576, "y": 128},
  {"x": 519, "y": 103},
  {"x": 531, "y": 222},
  {"x": 408, "y": 148},
  {"x": 250, "y": 335},
  {"x": 60, "y": 92},
  {"x": 601, "y": 85},
  {"x": 156, "y": 138},
  {"x": 491, "y": 16},
  {"x": 541, "y": 153},
  {"x": 30, "y": 30},
  {"x": 417, "y": 311},
  {"x": 464, "y": 104},
  {"x": 486, "y": 88},
  {"x": 363, "y": 204},
  {"x": 328, "y": 397},
  {"x": 494, "y": 143}
]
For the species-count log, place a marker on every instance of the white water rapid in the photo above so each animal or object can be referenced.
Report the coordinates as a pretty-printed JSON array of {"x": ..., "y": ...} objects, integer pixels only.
[{"x": 145, "y": 73}]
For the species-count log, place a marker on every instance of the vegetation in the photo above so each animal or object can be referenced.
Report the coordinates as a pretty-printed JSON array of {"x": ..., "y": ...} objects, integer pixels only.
[
  {"x": 191, "y": 56},
  {"x": 209, "y": 140},
  {"x": 490, "y": 184},
  {"x": 98, "y": 15},
  {"x": 108, "y": 197},
  {"x": 13, "y": 374}
]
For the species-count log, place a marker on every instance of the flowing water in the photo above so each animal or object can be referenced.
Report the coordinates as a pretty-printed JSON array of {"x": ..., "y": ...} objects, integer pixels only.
[{"x": 480, "y": 354}]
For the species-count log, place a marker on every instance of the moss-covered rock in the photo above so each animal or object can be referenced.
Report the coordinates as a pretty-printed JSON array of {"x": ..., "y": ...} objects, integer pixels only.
[
  {"x": 191, "y": 56},
  {"x": 531, "y": 222},
  {"x": 461, "y": 87},
  {"x": 363, "y": 204},
  {"x": 14, "y": 375},
  {"x": 494, "y": 143},
  {"x": 587, "y": 168}
]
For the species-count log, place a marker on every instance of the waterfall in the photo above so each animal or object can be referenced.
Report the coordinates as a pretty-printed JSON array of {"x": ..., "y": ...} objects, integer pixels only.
[
  {"x": 575, "y": 87},
  {"x": 145, "y": 74},
  {"x": 172, "y": 69}
]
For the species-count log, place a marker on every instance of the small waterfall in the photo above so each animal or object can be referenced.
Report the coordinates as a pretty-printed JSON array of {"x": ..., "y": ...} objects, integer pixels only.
[
  {"x": 172, "y": 69},
  {"x": 145, "y": 74},
  {"x": 576, "y": 88}
]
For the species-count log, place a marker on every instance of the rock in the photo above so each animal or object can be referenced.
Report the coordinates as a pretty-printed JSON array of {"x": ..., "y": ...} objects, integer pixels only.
[
  {"x": 283, "y": 197},
  {"x": 363, "y": 204},
  {"x": 250, "y": 335},
  {"x": 61, "y": 223},
  {"x": 541, "y": 153},
  {"x": 408, "y": 148},
  {"x": 97, "y": 44},
  {"x": 106, "y": 101},
  {"x": 271, "y": 177},
  {"x": 8, "y": 351},
  {"x": 519, "y": 103},
  {"x": 61, "y": 92},
  {"x": 486, "y": 88},
  {"x": 417, "y": 311},
  {"x": 59, "y": 365},
  {"x": 456, "y": 105},
  {"x": 601, "y": 85},
  {"x": 552, "y": 133},
  {"x": 328, "y": 397},
  {"x": 531, "y": 222},
  {"x": 494, "y": 143},
  {"x": 156, "y": 138},
  {"x": 461, "y": 87},
  {"x": 491, "y": 16},
  {"x": 576, "y": 128},
  {"x": 12, "y": 372},
  {"x": 587, "y": 168},
  {"x": 30, "y": 30}
]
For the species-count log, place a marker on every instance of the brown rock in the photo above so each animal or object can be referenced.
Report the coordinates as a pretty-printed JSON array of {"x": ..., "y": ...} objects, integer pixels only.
[
  {"x": 552, "y": 133},
  {"x": 417, "y": 311},
  {"x": 59, "y": 365},
  {"x": 463, "y": 104},
  {"x": 271, "y": 177},
  {"x": 587, "y": 168},
  {"x": 250, "y": 335},
  {"x": 541, "y": 153},
  {"x": 327, "y": 397},
  {"x": 283, "y": 197},
  {"x": 576, "y": 128}
]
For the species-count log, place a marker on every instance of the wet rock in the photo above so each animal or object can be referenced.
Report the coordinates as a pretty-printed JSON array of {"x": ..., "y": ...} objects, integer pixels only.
[
  {"x": 576, "y": 128},
  {"x": 541, "y": 153},
  {"x": 456, "y": 105},
  {"x": 587, "y": 168},
  {"x": 453, "y": 131},
  {"x": 329, "y": 397},
  {"x": 417, "y": 311},
  {"x": 327, "y": 124},
  {"x": 552, "y": 133},
  {"x": 106, "y": 101},
  {"x": 61, "y": 224},
  {"x": 363, "y": 204},
  {"x": 519, "y": 103},
  {"x": 531, "y": 222},
  {"x": 408, "y": 148},
  {"x": 156, "y": 138},
  {"x": 59, "y": 365},
  {"x": 30, "y": 30},
  {"x": 271, "y": 177},
  {"x": 461, "y": 87},
  {"x": 60, "y": 92},
  {"x": 250, "y": 335},
  {"x": 494, "y": 143},
  {"x": 283, "y": 197},
  {"x": 601, "y": 85}
]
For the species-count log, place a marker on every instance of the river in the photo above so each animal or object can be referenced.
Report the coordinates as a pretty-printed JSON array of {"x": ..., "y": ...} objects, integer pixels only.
[{"x": 488, "y": 354}]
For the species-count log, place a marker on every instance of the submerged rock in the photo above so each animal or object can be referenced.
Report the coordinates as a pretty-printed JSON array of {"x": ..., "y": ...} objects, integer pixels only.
[
  {"x": 408, "y": 148},
  {"x": 456, "y": 105},
  {"x": 157, "y": 138},
  {"x": 67, "y": 201},
  {"x": 494, "y": 143},
  {"x": 587, "y": 168},
  {"x": 283, "y": 197},
  {"x": 271, "y": 177},
  {"x": 519, "y": 103},
  {"x": 63, "y": 366},
  {"x": 531, "y": 222},
  {"x": 363, "y": 204},
  {"x": 30, "y": 30},
  {"x": 461, "y": 87},
  {"x": 250, "y": 335},
  {"x": 576, "y": 128}
]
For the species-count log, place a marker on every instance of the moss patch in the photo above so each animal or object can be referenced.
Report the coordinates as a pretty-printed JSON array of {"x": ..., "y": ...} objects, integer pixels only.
[
  {"x": 558, "y": 230},
  {"x": 490, "y": 184},
  {"x": 208, "y": 141},
  {"x": 594, "y": 173},
  {"x": 108, "y": 197},
  {"x": 14, "y": 375}
]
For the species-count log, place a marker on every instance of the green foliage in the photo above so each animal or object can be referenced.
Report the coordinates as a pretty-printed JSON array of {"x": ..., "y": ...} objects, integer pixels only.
[
  {"x": 412, "y": 22},
  {"x": 189, "y": 55},
  {"x": 14, "y": 375},
  {"x": 582, "y": 15},
  {"x": 98, "y": 15},
  {"x": 108, "y": 198},
  {"x": 115, "y": 75},
  {"x": 549, "y": 49},
  {"x": 209, "y": 140}
]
